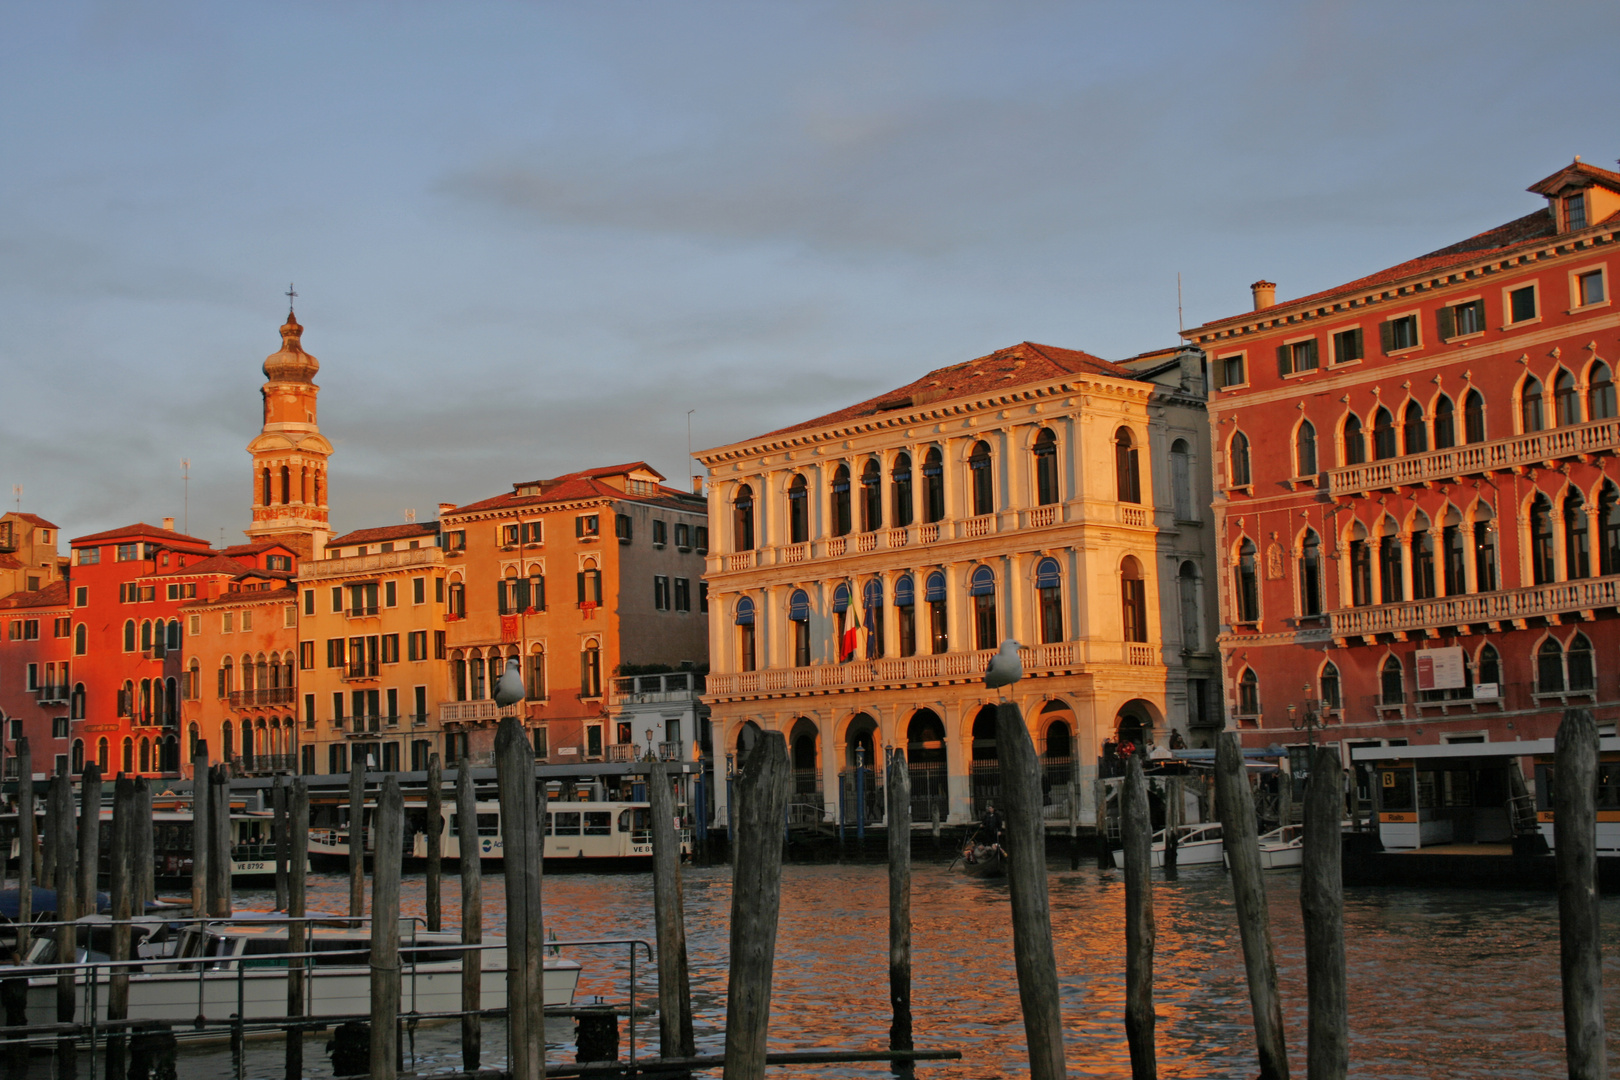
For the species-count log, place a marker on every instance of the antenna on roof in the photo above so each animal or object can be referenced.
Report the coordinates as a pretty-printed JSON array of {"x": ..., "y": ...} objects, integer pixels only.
[
  {"x": 185, "y": 478},
  {"x": 16, "y": 493},
  {"x": 691, "y": 473},
  {"x": 410, "y": 515},
  {"x": 1180, "y": 324}
]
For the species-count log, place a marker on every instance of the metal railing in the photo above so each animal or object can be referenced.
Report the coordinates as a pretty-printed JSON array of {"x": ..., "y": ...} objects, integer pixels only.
[{"x": 273, "y": 695}]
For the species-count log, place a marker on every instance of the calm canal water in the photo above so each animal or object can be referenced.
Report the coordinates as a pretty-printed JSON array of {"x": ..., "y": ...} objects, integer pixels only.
[{"x": 1461, "y": 984}]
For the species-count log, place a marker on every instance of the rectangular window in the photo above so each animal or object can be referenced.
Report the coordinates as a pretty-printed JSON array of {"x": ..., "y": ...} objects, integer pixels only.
[
  {"x": 247, "y": 621},
  {"x": 1399, "y": 334},
  {"x": 660, "y": 533},
  {"x": 64, "y": 627},
  {"x": 622, "y": 527},
  {"x": 337, "y": 599},
  {"x": 227, "y": 623},
  {"x": 390, "y": 648},
  {"x": 1232, "y": 373},
  {"x": 278, "y": 562},
  {"x": 309, "y": 712},
  {"x": 438, "y": 644},
  {"x": 306, "y": 656},
  {"x": 419, "y": 714},
  {"x": 309, "y": 602},
  {"x": 660, "y": 593},
  {"x": 393, "y": 705},
  {"x": 1589, "y": 288},
  {"x": 702, "y": 537},
  {"x": 1575, "y": 211},
  {"x": 129, "y": 552},
  {"x": 173, "y": 592},
  {"x": 532, "y": 532},
  {"x": 416, "y": 645},
  {"x": 511, "y": 535},
  {"x": 89, "y": 556},
  {"x": 390, "y": 594},
  {"x": 455, "y": 540},
  {"x": 337, "y": 708},
  {"x": 289, "y": 616},
  {"x": 586, "y": 526},
  {"x": 419, "y": 590},
  {"x": 1522, "y": 304},
  {"x": 703, "y": 596},
  {"x": 683, "y": 594},
  {"x": 1296, "y": 357},
  {"x": 81, "y": 596},
  {"x": 32, "y": 677},
  {"x": 335, "y": 652},
  {"x": 438, "y": 590},
  {"x": 59, "y": 728},
  {"x": 683, "y": 535},
  {"x": 1460, "y": 320}
]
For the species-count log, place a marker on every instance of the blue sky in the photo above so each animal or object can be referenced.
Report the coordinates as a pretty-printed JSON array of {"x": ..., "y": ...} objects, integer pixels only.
[{"x": 527, "y": 238}]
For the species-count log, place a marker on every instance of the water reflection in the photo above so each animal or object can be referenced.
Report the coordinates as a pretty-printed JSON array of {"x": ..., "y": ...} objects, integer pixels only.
[{"x": 1464, "y": 981}]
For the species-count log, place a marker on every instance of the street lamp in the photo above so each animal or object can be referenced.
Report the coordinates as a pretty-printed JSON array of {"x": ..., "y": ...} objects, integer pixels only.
[{"x": 1312, "y": 720}]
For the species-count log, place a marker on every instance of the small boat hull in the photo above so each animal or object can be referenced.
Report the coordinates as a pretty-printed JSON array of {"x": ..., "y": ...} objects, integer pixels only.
[
  {"x": 991, "y": 866},
  {"x": 1196, "y": 845}
]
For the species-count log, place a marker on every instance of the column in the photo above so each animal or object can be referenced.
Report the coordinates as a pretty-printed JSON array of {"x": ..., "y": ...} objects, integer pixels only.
[
  {"x": 1015, "y": 605},
  {"x": 958, "y": 752}
]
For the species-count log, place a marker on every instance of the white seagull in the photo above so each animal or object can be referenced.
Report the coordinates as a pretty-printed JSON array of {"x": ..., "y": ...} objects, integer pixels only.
[
  {"x": 1005, "y": 667},
  {"x": 509, "y": 691}
]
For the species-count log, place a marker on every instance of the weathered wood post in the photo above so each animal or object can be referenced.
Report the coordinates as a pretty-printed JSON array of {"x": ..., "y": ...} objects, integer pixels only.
[
  {"x": 1321, "y": 903},
  {"x": 897, "y": 787},
  {"x": 470, "y": 863},
  {"x": 761, "y": 790},
  {"x": 385, "y": 972},
  {"x": 120, "y": 857},
  {"x": 48, "y": 832},
  {"x": 1136, "y": 836},
  {"x": 1026, "y": 878},
  {"x": 219, "y": 830},
  {"x": 525, "y": 945},
  {"x": 278, "y": 817},
  {"x": 1240, "y": 837},
  {"x": 144, "y": 872},
  {"x": 1099, "y": 803},
  {"x": 67, "y": 887},
  {"x": 1074, "y": 825},
  {"x": 435, "y": 842},
  {"x": 1580, "y": 956},
  {"x": 675, "y": 1035},
  {"x": 89, "y": 836},
  {"x": 26, "y": 826},
  {"x": 1172, "y": 820},
  {"x": 357, "y": 836},
  {"x": 201, "y": 799},
  {"x": 297, "y": 938}
]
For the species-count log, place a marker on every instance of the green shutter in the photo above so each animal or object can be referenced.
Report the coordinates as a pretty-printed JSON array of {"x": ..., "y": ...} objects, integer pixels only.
[
  {"x": 1284, "y": 355},
  {"x": 1386, "y": 336},
  {"x": 538, "y": 594},
  {"x": 522, "y": 594},
  {"x": 1447, "y": 318},
  {"x": 500, "y": 598},
  {"x": 579, "y": 580}
]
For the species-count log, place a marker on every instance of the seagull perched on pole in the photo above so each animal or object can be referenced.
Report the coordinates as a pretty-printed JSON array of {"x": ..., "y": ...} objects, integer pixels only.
[
  {"x": 1005, "y": 667},
  {"x": 509, "y": 691}
]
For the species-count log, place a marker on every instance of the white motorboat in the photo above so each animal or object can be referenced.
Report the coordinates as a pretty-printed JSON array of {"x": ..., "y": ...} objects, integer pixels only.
[
  {"x": 219, "y": 968},
  {"x": 1282, "y": 849},
  {"x": 1196, "y": 845}
]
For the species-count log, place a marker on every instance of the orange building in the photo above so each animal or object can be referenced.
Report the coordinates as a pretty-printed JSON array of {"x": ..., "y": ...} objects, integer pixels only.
[
  {"x": 579, "y": 577},
  {"x": 28, "y": 558},
  {"x": 36, "y": 635}
]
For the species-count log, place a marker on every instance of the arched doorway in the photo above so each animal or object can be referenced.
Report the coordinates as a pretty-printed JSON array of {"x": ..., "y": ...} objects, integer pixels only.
[
  {"x": 984, "y": 770},
  {"x": 862, "y": 785},
  {"x": 1055, "y": 723},
  {"x": 1132, "y": 724},
  {"x": 925, "y": 760},
  {"x": 805, "y": 804}
]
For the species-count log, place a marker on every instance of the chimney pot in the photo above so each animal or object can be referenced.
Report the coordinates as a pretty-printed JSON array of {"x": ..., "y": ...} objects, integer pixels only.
[
  {"x": 1265, "y": 294},
  {"x": 445, "y": 508},
  {"x": 697, "y": 485},
  {"x": 168, "y": 523}
]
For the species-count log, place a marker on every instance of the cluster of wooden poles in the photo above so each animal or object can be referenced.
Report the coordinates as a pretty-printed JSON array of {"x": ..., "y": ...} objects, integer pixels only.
[{"x": 1322, "y": 908}]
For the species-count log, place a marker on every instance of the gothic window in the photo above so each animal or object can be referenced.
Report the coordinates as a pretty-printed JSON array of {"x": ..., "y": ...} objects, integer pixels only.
[
  {"x": 1600, "y": 403},
  {"x": 1248, "y": 583},
  {"x": 1550, "y": 667},
  {"x": 1414, "y": 435},
  {"x": 1046, "y": 468},
  {"x": 1355, "y": 443},
  {"x": 1445, "y": 424},
  {"x": 1609, "y": 522},
  {"x": 1423, "y": 579},
  {"x": 900, "y": 490},
  {"x": 1391, "y": 690},
  {"x": 1328, "y": 680},
  {"x": 983, "y": 483},
  {"x": 798, "y": 496},
  {"x": 1249, "y": 693},
  {"x": 1238, "y": 456},
  {"x": 1474, "y": 417},
  {"x": 1566, "y": 403},
  {"x": 1578, "y": 664},
  {"x": 842, "y": 524},
  {"x": 1310, "y": 574},
  {"x": 1383, "y": 435},
  {"x": 1127, "y": 480},
  {"x": 1530, "y": 412},
  {"x": 1484, "y": 551},
  {"x": 1305, "y": 449},
  {"x": 1577, "y": 544},
  {"x": 1541, "y": 541}
]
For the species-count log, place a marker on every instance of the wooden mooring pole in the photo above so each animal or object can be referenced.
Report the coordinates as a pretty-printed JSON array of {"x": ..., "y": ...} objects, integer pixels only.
[
  {"x": 278, "y": 817},
  {"x": 756, "y": 894},
  {"x": 1240, "y": 837},
  {"x": 1033, "y": 953},
  {"x": 89, "y": 837},
  {"x": 26, "y": 825},
  {"x": 297, "y": 890},
  {"x": 470, "y": 863},
  {"x": 385, "y": 973},
  {"x": 897, "y": 787},
  {"x": 200, "y": 841},
  {"x": 219, "y": 833},
  {"x": 1136, "y": 835},
  {"x": 434, "y": 826},
  {"x": 144, "y": 874},
  {"x": 675, "y": 1036},
  {"x": 1321, "y": 903},
  {"x": 525, "y": 943},
  {"x": 67, "y": 885},
  {"x": 1580, "y": 929},
  {"x": 357, "y": 835},
  {"x": 49, "y": 828},
  {"x": 121, "y": 863}
]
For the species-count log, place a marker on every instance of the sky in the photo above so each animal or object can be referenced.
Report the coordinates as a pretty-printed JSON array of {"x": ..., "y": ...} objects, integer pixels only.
[{"x": 533, "y": 238}]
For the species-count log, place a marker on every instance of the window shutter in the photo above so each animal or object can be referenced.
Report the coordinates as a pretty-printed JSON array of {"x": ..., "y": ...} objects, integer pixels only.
[
  {"x": 1447, "y": 318},
  {"x": 1386, "y": 336},
  {"x": 1284, "y": 356},
  {"x": 500, "y": 598},
  {"x": 538, "y": 594},
  {"x": 522, "y": 593},
  {"x": 579, "y": 580}
]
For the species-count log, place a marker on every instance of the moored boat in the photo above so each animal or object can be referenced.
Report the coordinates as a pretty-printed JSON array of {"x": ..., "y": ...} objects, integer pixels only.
[
  {"x": 1196, "y": 845},
  {"x": 983, "y": 861}
]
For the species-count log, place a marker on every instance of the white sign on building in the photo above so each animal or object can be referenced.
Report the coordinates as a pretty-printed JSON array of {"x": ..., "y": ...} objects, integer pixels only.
[{"x": 1441, "y": 669}]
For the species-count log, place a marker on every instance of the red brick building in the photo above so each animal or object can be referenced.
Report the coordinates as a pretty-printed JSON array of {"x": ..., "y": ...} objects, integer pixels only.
[
  {"x": 36, "y": 638},
  {"x": 1416, "y": 492}
]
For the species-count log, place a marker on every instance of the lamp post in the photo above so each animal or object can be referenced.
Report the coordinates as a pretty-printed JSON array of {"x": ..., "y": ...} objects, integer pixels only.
[
  {"x": 860, "y": 797},
  {"x": 1312, "y": 720}
]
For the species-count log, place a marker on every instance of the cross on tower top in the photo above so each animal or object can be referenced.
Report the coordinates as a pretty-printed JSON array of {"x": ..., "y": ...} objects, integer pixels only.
[{"x": 291, "y": 296}]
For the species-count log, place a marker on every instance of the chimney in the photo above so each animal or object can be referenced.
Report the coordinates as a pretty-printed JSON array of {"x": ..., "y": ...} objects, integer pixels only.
[
  {"x": 445, "y": 508},
  {"x": 1265, "y": 294},
  {"x": 168, "y": 523},
  {"x": 697, "y": 485}
]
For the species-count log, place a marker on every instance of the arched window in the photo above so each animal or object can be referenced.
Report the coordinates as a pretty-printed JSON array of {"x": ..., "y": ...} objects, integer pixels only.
[
  {"x": 1127, "y": 480},
  {"x": 1391, "y": 576},
  {"x": 146, "y": 754},
  {"x": 1049, "y": 592},
  {"x": 1445, "y": 423},
  {"x": 1600, "y": 404},
  {"x": 1578, "y": 664},
  {"x": 1550, "y": 667},
  {"x": 1484, "y": 549},
  {"x": 77, "y": 759},
  {"x": 933, "y": 486},
  {"x": 900, "y": 490},
  {"x": 1577, "y": 542},
  {"x": 1488, "y": 669},
  {"x": 227, "y": 741},
  {"x": 476, "y": 673},
  {"x": 1474, "y": 417},
  {"x": 1391, "y": 690},
  {"x": 1248, "y": 584},
  {"x": 1383, "y": 435},
  {"x": 127, "y": 762},
  {"x": 745, "y": 634},
  {"x": 1238, "y": 457},
  {"x": 1423, "y": 579},
  {"x": 76, "y": 703},
  {"x": 799, "y": 618},
  {"x": 129, "y": 635},
  {"x": 1305, "y": 449},
  {"x": 982, "y": 587},
  {"x": 1414, "y": 434},
  {"x": 81, "y": 640},
  {"x": 872, "y": 496},
  {"x": 173, "y": 635},
  {"x": 1310, "y": 574},
  {"x": 1361, "y": 593},
  {"x": 1355, "y": 443},
  {"x": 1133, "y": 600},
  {"x": 905, "y": 610},
  {"x": 590, "y": 670},
  {"x": 1046, "y": 468},
  {"x": 1181, "y": 488},
  {"x": 842, "y": 523},
  {"x": 984, "y": 488},
  {"x": 1249, "y": 693},
  {"x": 1566, "y": 403},
  {"x": 264, "y": 494},
  {"x": 1192, "y": 622},
  {"x": 1530, "y": 414},
  {"x": 872, "y": 613},
  {"x": 798, "y": 495},
  {"x": 1328, "y": 680},
  {"x": 286, "y": 485},
  {"x": 743, "y": 518},
  {"x": 535, "y": 678},
  {"x": 194, "y": 681},
  {"x": 1609, "y": 522},
  {"x": 1542, "y": 568},
  {"x": 934, "y": 594},
  {"x": 458, "y": 677}
]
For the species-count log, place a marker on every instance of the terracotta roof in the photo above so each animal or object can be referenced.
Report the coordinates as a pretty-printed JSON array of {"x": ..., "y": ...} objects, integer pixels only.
[
  {"x": 255, "y": 549},
  {"x": 408, "y": 531},
  {"x": 139, "y": 529},
  {"x": 1575, "y": 173},
  {"x": 251, "y": 596},
  {"x": 214, "y": 564},
  {"x": 53, "y": 595},
  {"x": 579, "y": 486},
  {"x": 33, "y": 519},
  {"x": 1016, "y": 365},
  {"x": 10, "y": 562}
]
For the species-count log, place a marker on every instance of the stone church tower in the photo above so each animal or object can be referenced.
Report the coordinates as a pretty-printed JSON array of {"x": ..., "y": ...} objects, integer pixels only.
[{"x": 289, "y": 454}]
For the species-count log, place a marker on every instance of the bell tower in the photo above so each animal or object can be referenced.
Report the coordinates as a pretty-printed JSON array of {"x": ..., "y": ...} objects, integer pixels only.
[{"x": 289, "y": 454}]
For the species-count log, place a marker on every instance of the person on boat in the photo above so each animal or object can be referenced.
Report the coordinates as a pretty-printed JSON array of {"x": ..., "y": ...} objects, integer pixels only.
[
  {"x": 987, "y": 842},
  {"x": 1176, "y": 741}
]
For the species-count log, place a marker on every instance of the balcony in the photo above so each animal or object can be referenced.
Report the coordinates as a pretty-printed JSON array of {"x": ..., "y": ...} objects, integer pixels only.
[
  {"x": 320, "y": 569},
  {"x": 360, "y": 612},
  {"x": 50, "y": 695},
  {"x": 364, "y": 673},
  {"x": 621, "y": 752},
  {"x": 870, "y": 674},
  {"x": 462, "y": 712},
  {"x": 275, "y": 695},
  {"x": 371, "y": 725},
  {"x": 646, "y": 689},
  {"x": 1475, "y": 459},
  {"x": 1545, "y": 601},
  {"x": 260, "y": 764}
]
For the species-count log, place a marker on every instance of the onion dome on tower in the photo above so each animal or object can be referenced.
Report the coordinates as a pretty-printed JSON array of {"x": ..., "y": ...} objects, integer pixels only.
[{"x": 290, "y": 453}]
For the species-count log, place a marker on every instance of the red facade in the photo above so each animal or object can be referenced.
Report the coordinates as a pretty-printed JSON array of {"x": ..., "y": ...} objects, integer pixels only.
[
  {"x": 36, "y": 673},
  {"x": 1423, "y": 461}
]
